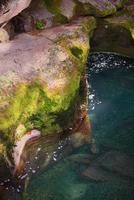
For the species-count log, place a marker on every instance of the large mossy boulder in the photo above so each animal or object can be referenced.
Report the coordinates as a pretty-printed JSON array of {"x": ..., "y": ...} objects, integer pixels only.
[{"x": 40, "y": 77}]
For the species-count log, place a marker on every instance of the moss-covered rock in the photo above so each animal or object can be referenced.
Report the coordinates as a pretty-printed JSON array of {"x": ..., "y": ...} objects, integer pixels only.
[
  {"x": 112, "y": 38},
  {"x": 42, "y": 14},
  {"x": 40, "y": 80},
  {"x": 124, "y": 18},
  {"x": 118, "y": 3},
  {"x": 95, "y": 7}
]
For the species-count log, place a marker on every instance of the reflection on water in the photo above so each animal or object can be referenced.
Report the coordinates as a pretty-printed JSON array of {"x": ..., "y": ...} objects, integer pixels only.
[{"x": 55, "y": 170}]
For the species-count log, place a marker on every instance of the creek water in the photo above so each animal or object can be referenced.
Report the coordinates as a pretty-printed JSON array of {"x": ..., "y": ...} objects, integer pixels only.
[{"x": 104, "y": 169}]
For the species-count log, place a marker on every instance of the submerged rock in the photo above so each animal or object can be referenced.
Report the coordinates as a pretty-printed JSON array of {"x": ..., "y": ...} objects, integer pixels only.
[
  {"x": 118, "y": 162},
  {"x": 109, "y": 166},
  {"x": 97, "y": 174}
]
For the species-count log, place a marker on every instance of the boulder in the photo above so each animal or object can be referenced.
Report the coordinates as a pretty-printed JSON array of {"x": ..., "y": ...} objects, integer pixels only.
[
  {"x": 118, "y": 162},
  {"x": 41, "y": 78},
  {"x": 95, "y": 7},
  {"x": 110, "y": 166},
  {"x": 98, "y": 174},
  {"x": 104, "y": 39},
  {"x": 124, "y": 18},
  {"x": 11, "y": 8},
  {"x": 44, "y": 13}
]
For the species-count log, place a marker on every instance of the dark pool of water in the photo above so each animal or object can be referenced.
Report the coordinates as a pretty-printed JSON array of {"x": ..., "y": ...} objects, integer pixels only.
[{"x": 110, "y": 159}]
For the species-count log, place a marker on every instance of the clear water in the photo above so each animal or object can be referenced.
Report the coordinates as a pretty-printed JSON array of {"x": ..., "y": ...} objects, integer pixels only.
[{"x": 111, "y": 111}]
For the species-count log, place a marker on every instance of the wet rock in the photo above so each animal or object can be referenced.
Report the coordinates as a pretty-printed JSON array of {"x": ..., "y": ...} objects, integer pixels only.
[
  {"x": 19, "y": 147},
  {"x": 4, "y": 171},
  {"x": 81, "y": 158},
  {"x": 78, "y": 139}
]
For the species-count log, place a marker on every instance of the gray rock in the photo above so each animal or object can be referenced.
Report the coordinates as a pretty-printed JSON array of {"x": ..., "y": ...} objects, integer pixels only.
[{"x": 12, "y": 8}]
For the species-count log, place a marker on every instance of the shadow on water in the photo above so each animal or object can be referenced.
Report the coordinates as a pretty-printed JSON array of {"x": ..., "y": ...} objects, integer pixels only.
[{"x": 104, "y": 169}]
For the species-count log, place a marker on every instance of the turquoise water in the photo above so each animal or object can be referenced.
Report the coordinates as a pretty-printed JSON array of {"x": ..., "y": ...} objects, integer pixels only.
[{"x": 111, "y": 111}]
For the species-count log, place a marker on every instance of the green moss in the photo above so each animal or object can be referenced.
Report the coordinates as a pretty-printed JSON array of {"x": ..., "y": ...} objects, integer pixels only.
[
  {"x": 40, "y": 24},
  {"x": 123, "y": 20},
  {"x": 59, "y": 18},
  {"x": 35, "y": 107},
  {"x": 77, "y": 52},
  {"x": 89, "y": 9},
  {"x": 53, "y": 6}
]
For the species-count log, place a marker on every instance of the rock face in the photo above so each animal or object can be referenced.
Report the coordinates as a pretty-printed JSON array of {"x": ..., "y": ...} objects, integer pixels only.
[
  {"x": 124, "y": 19},
  {"x": 11, "y": 8},
  {"x": 104, "y": 39},
  {"x": 96, "y": 7},
  {"x": 40, "y": 77},
  {"x": 121, "y": 26},
  {"x": 44, "y": 13}
]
